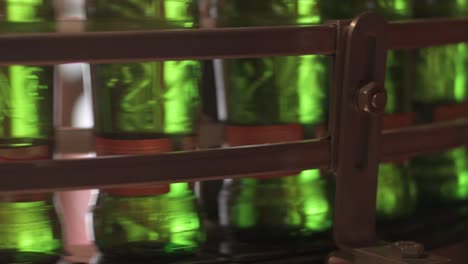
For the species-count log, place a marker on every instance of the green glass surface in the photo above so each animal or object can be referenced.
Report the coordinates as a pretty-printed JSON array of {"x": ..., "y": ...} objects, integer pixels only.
[
  {"x": 109, "y": 15},
  {"x": 30, "y": 232},
  {"x": 275, "y": 91},
  {"x": 397, "y": 193},
  {"x": 146, "y": 100},
  {"x": 440, "y": 79},
  {"x": 273, "y": 210},
  {"x": 150, "y": 100},
  {"x": 26, "y": 91},
  {"x": 166, "y": 226},
  {"x": 29, "y": 228},
  {"x": 26, "y": 16}
]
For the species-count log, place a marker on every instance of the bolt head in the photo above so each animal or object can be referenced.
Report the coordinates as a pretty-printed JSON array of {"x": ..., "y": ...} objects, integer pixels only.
[
  {"x": 379, "y": 100},
  {"x": 371, "y": 99}
]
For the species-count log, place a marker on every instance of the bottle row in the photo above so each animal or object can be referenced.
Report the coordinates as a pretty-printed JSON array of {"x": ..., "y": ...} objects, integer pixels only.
[{"x": 154, "y": 107}]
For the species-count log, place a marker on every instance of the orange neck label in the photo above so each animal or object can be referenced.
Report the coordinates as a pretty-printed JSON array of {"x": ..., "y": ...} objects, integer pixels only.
[
  {"x": 450, "y": 112},
  {"x": 107, "y": 147},
  {"x": 189, "y": 143},
  {"x": 396, "y": 121},
  {"x": 400, "y": 120},
  {"x": 41, "y": 152},
  {"x": 321, "y": 130},
  {"x": 27, "y": 153},
  {"x": 256, "y": 135}
]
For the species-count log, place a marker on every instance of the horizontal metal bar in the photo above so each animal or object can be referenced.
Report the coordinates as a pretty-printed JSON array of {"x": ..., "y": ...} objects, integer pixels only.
[
  {"x": 424, "y": 138},
  {"x": 51, "y": 175},
  {"x": 105, "y": 47},
  {"x": 425, "y": 33},
  {"x": 162, "y": 168}
]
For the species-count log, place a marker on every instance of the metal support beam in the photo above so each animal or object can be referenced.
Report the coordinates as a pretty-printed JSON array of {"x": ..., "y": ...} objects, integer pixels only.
[{"x": 357, "y": 129}]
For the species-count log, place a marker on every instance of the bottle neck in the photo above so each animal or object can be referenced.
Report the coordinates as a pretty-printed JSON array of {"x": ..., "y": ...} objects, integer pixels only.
[
  {"x": 235, "y": 13},
  {"x": 26, "y": 11},
  {"x": 154, "y": 13}
]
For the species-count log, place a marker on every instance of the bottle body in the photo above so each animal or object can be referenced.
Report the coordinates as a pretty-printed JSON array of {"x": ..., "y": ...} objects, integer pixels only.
[
  {"x": 166, "y": 226},
  {"x": 29, "y": 225},
  {"x": 30, "y": 231},
  {"x": 276, "y": 210},
  {"x": 146, "y": 108},
  {"x": 272, "y": 100},
  {"x": 440, "y": 88},
  {"x": 397, "y": 192},
  {"x": 274, "y": 90}
]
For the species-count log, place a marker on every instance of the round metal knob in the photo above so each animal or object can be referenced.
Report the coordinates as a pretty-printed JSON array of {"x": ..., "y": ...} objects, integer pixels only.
[{"x": 372, "y": 99}]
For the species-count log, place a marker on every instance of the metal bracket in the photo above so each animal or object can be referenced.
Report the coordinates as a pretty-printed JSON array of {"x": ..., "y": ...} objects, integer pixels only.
[
  {"x": 356, "y": 128},
  {"x": 357, "y": 104}
]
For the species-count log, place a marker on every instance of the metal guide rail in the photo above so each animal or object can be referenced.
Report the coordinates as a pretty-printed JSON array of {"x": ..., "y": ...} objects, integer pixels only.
[{"x": 358, "y": 74}]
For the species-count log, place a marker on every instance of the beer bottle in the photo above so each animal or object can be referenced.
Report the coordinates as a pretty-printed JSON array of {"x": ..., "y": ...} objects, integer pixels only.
[
  {"x": 146, "y": 108},
  {"x": 29, "y": 226},
  {"x": 440, "y": 94},
  {"x": 271, "y": 100}
]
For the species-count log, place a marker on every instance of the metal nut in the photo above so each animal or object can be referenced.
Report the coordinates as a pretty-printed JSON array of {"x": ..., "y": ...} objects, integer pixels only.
[
  {"x": 379, "y": 100},
  {"x": 410, "y": 249},
  {"x": 371, "y": 99}
]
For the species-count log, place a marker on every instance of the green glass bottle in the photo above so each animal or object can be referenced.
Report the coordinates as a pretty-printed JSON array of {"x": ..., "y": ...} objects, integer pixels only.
[
  {"x": 29, "y": 226},
  {"x": 440, "y": 88},
  {"x": 396, "y": 195},
  {"x": 146, "y": 108},
  {"x": 270, "y": 100}
]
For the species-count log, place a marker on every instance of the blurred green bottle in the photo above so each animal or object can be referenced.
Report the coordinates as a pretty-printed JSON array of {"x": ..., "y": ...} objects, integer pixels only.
[
  {"x": 29, "y": 226},
  {"x": 271, "y": 100},
  {"x": 440, "y": 94},
  {"x": 146, "y": 108},
  {"x": 397, "y": 194}
]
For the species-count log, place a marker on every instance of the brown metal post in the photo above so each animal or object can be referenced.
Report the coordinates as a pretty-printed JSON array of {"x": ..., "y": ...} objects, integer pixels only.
[
  {"x": 355, "y": 127},
  {"x": 358, "y": 102}
]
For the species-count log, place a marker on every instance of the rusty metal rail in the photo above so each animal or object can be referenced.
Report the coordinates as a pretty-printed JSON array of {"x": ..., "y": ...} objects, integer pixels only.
[
  {"x": 50, "y": 175},
  {"x": 106, "y": 47},
  {"x": 425, "y": 33}
]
